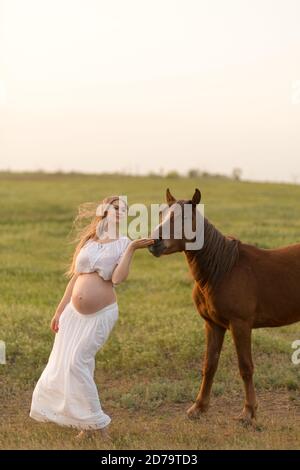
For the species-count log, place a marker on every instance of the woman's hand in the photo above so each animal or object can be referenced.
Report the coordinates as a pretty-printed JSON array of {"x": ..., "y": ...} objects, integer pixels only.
[
  {"x": 54, "y": 323},
  {"x": 141, "y": 243}
]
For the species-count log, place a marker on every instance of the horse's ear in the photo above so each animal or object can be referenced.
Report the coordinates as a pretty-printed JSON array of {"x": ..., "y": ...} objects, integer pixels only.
[
  {"x": 197, "y": 197},
  {"x": 170, "y": 199}
]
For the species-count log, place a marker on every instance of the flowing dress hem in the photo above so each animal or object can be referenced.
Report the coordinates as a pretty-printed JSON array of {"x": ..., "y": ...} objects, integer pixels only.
[{"x": 69, "y": 422}]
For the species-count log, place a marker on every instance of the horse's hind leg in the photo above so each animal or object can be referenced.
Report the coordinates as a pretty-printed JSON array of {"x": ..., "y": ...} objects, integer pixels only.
[
  {"x": 214, "y": 341},
  {"x": 241, "y": 333}
]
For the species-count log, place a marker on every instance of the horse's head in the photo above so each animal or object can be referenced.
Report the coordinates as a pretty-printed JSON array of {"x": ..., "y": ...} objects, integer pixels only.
[{"x": 170, "y": 233}]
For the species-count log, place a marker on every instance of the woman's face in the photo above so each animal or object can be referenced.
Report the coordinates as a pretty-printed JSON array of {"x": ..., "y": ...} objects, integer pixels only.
[{"x": 117, "y": 211}]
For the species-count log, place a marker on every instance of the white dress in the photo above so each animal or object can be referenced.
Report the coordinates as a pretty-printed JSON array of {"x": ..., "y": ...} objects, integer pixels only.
[{"x": 66, "y": 393}]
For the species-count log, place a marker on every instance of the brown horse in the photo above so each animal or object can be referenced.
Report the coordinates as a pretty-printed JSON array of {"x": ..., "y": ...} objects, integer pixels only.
[{"x": 237, "y": 287}]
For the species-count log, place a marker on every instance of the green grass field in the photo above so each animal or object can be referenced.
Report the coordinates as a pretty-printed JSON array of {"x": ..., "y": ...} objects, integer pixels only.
[{"x": 148, "y": 373}]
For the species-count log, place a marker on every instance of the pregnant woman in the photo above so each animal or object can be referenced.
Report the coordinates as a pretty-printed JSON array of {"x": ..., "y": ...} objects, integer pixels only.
[{"x": 66, "y": 393}]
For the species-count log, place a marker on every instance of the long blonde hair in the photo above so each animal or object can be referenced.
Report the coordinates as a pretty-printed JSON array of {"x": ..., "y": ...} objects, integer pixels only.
[{"x": 83, "y": 232}]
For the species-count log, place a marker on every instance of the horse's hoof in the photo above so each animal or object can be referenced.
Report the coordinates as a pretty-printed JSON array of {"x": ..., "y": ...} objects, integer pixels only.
[
  {"x": 246, "y": 420},
  {"x": 194, "y": 412},
  {"x": 248, "y": 416}
]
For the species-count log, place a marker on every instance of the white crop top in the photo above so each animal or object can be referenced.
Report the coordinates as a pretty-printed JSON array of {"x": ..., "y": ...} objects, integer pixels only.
[{"x": 101, "y": 257}]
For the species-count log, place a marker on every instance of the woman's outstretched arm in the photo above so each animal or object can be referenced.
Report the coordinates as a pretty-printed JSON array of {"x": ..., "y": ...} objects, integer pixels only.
[{"x": 121, "y": 271}]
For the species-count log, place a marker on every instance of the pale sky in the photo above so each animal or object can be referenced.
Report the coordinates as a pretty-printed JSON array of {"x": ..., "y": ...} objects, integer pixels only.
[{"x": 136, "y": 85}]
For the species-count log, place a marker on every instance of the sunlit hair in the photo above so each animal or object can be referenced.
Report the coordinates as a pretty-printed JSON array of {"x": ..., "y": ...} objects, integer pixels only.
[{"x": 96, "y": 213}]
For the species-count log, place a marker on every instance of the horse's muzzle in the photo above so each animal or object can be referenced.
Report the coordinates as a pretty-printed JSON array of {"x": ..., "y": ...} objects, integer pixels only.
[{"x": 157, "y": 248}]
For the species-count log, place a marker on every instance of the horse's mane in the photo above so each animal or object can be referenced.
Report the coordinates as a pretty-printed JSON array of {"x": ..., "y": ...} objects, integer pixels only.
[{"x": 217, "y": 257}]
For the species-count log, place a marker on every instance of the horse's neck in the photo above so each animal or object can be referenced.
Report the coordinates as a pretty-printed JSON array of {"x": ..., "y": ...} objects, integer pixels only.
[{"x": 217, "y": 257}]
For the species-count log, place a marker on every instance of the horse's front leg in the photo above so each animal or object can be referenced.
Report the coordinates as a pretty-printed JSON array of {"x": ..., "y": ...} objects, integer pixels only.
[
  {"x": 241, "y": 333},
  {"x": 214, "y": 341}
]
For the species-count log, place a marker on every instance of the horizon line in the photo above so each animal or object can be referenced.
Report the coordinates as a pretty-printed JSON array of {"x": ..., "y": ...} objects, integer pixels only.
[{"x": 170, "y": 174}]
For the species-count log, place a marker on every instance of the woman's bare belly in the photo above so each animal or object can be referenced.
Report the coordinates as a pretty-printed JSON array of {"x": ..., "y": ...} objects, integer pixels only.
[{"x": 92, "y": 293}]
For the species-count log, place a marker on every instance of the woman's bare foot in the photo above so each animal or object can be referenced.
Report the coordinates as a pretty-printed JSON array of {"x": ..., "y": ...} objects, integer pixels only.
[{"x": 81, "y": 435}]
